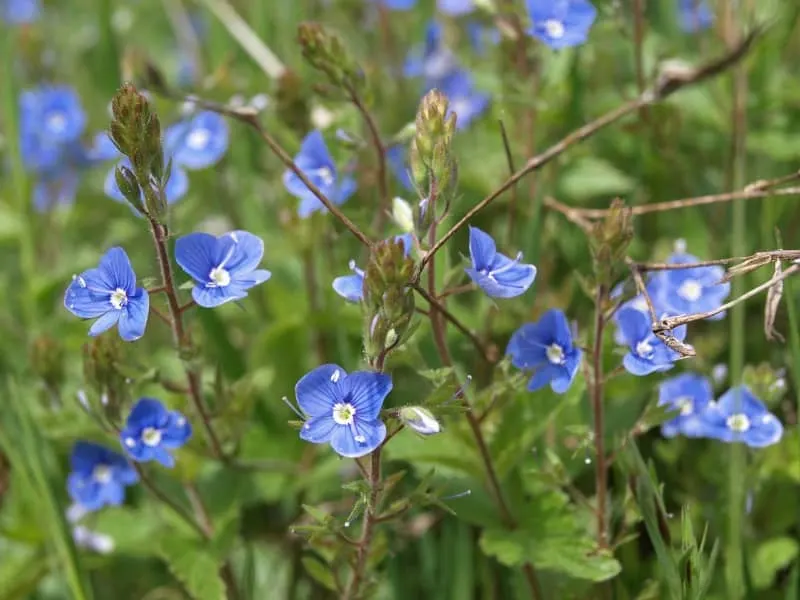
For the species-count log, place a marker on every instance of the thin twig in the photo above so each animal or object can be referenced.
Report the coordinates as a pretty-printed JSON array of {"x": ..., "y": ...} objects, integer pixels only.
[
  {"x": 759, "y": 258},
  {"x": 512, "y": 205},
  {"x": 176, "y": 508}
]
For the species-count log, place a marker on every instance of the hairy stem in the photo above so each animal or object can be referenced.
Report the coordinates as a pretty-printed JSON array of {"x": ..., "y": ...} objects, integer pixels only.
[
  {"x": 351, "y": 592},
  {"x": 596, "y": 392}
]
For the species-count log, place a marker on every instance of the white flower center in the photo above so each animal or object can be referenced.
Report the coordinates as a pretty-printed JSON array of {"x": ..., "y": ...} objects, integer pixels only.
[
  {"x": 151, "y": 436},
  {"x": 118, "y": 298},
  {"x": 644, "y": 349},
  {"x": 554, "y": 28},
  {"x": 198, "y": 139},
  {"x": 343, "y": 413},
  {"x": 56, "y": 122},
  {"x": 738, "y": 422},
  {"x": 219, "y": 277},
  {"x": 102, "y": 474},
  {"x": 686, "y": 405},
  {"x": 325, "y": 175},
  {"x": 690, "y": 290},
  {"x": 555, "y": 354}
]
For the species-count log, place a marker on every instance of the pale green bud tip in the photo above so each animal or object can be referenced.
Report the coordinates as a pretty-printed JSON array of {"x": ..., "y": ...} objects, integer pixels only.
[
  {"x": 420, "y": 420},
  {"x": 403, "y": 215}
]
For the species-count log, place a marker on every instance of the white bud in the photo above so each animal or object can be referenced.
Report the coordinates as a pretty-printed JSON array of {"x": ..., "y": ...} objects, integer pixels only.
[
  {"x": 403, "y": 215},
  {"x": 259, "y": 102},
  {"x": 719, "y": 373},
  {"x": 321, "y": 117},
  {"x": 420, "y": 420}
]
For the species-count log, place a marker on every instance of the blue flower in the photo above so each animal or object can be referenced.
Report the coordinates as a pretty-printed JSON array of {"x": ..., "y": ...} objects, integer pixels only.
[
  {"x": 99, "y": 476},
  {"x": 547, "y": 348},
  {"x": 396, "y": 157},
  {"x": 455, "y": 8},
  {"x": 109, "y": 294},
  {"x": 695, "y": 289},
  {"x": 738, "y": 416},
  {"x": 647, "y": 353},
  {"x": 151, "y": 431},
  {"x": 198, "y": 142},
  {"x": 224, "y": 267},
  {"x": 655, "y": 290},
  {"x": 495, "y": 273},
  {"x": 17, "y": 12},
  {"x": 398, "y": 4},
  {"x": 694, "y": 15},
  {"x": 351, "y": 287},
  {"x": 561, "y": 23},
  {"x": 343, "y": 409},
  {"x": 316, "y": 163},
  {"x": 689, "y": 394},
  {"x": 434, "y": 61},
  {"x": 464, "y": 100}
]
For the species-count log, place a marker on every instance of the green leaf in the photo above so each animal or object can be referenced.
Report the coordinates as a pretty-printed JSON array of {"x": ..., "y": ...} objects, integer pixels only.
[
  {"x": 591, "y": 177},
  {"x": 196, "y": 568},
  {"x": 319, "y": 572},
  {"x": 770, "y": 557}
]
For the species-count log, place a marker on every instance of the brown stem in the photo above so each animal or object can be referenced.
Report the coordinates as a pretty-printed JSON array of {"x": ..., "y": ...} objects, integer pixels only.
[
  {"x": 370, "y": 519},
  {"x": 638, "y": 44},
  {"x": 160, "y": 315},
  {"x": 596, "y": 384}
]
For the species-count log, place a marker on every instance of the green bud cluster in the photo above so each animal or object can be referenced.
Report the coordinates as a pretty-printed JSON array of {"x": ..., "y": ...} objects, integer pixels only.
[
  {"x": 327, "y": 52},
  {"x": 104, "y": 374},
  {"x": 388, "y": 303},
  {"x": 609, "y": 240}
]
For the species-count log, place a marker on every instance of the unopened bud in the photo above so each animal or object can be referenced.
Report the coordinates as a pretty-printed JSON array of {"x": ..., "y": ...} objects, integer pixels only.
[
  {"x": 403, "y": 215},
  {"x": 129, "y": 187},
  {"x": 420, "y": 420}
]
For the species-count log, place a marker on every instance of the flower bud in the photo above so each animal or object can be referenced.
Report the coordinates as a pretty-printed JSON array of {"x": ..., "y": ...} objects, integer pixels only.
[
  {"x": 129, "y": 186},
  {"x": 420, "y": 420},
  {"x": 326, "y": 52},
  {"x": 403, "y": 215}
]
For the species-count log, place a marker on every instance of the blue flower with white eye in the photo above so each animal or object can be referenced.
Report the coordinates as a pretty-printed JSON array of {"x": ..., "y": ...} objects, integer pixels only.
[
  {"x": 738, "y": 416},
  {"x": 351, "y": 287},
  {"x": 316, "y": 163},
  {"x": 18, "y": 12},
  {"x": 433, "y": 61},
  {"x": 546, "y": 347},
  {"x": 110, "y": 295},
  {"x": 465, "y": 100},
  {"x": 343, "y": 410},
  {"x": 151, "y": 431},
  {"x": 99, "y": 476},
  {"x": 561, "y": 23},
  {"x": 694, "y": 15},
  {"x": 199, "y": 141},
  {"x": 689, "y": 394},
  {"x": 455, "y": 8},
  {"x": 495, "y": 273},
  {"x": 655, "y": 290},
  {"x": 695, "y": 289},
  {"x": 224, "y": 268},
  {"x": 647, "y": 353}
]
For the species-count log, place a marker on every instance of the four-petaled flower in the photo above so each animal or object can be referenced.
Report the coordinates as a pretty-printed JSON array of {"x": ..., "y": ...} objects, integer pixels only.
[
  {"x": 689, "y": 394},
  {"x": 547, "y": 348},
  {"x": 151, "y": 431},
  {"x": 351, "y": 287},
  {"x": 343, "y": 409},
  {"x": 316, "y": 163},
  {"x": 738, "y": 416},
  {"x": 109, "y": 294},
  {"x": 561, "y": 23},
  {"x": 99, "y": 476},
  {"x": 694, "y": 15},
  {"x": 495, "y": 273},
  {"x": 224, "y": 267},
  {"x": 647, "y": 353},
  {"x": 695, "y": 289}
]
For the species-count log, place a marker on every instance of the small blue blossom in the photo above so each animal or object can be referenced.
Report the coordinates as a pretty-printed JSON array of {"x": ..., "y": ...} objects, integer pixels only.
[
  {"x": 546, "y": 347},
  {"x": 495, "y": 273},
  {"x": 151, "y": 431},
  {"x": 343, "y": 409},
  {"x": 455, "y": 8},
  {"x": 561, "y": 23},
  {"x": 694, "y": 15},
  {"x": 655, "y": 290},
  {"x": 433, "y": 61},
  {"x": 647, "y": 353},
  {"x": 316, "y": 163},
  {"x": 18, "y": 12},
  {"x": 738, "y": 416},
  {"x": 351, "y": 287},
  {"x": 224, "y": 268},
  {"x": 689, "y": 394},
  {"x": 99, "y": 476},
  {"x": 696, "y": 289},
  {"x": 110, "y": 295},
  {"x": 464, "y": 99}
]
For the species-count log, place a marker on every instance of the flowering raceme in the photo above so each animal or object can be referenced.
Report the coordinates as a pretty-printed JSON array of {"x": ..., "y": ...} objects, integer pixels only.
[
  {"x": 495, "y": 273},
  {"x": 151, "y": 431},
  {"x": 99, "y": 476}
]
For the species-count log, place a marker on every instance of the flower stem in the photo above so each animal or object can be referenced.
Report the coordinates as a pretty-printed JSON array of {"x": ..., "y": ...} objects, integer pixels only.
[
  {"x": 596, "y": 391},
  {"x": 180, "y": 336}
]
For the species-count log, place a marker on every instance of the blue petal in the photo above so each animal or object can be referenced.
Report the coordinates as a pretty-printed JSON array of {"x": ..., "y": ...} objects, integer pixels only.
[
  {"x": 396, "y": 157},
  {"x": 554, "y": 327},
  {"x": 103, "y": 149},
  {"x": 85, "y": 491},
  {"x": 147, "y": 412},
  {"x": 177, "y": 431},
  {"x": 344, "y": 190},
  {"x": 516, "y": 280},
  {"x": 105, "y": 322},
  {"x": 367, "y": 392},
  {"x": 764, "y": 431},
  {"x": 318, "y": 430},
  {"x": 202, "y": 142},
  {"x": 308, "y": 205},
  {"x": 634, "y": 325},
  {"x": 318, "y": 390},
  {"x": 541, "y": 377},
  {"x": 350, "y": 287},
  {"x": 117, "y": 267},
  {"x": 740, "y": 399},
  {"x": 133, "y": 320},
  {"x": 251, "y": 278},
  {"x": 344, "y": 443},
  {"x": 195, "y": 254},
  {"x": 481, "y": 248},
  {"x": 55, "y": 191},
  {"x": 640, "y": 367},
  {"x": 248, "y": 253},
  {"x": 399, "y": 4},
  {"x": 526, "y": 347},
  {"x": 456, "y": 7},
  {"x": 211, "y": 297},
  {"x": 86, "y": 456},
  {"x": 84, "y": 303},
  {"x": 313, "y": 148},
  {"x": 177, "y": 185}
]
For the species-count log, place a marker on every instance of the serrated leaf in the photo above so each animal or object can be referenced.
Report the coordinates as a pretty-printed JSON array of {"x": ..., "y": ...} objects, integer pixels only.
[{"x": 196, "y": 568}]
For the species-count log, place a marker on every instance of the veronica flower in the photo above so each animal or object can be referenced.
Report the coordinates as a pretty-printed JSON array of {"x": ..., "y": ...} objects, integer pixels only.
[
  {"x": 738, "y": 416},
  {"x": 224, "y": 268},
  {"x": 464, "y": 99},
  {"x": 109, "y": 294},
  {"x": 561, "y": 23},
  {"x": 495, "y": 273},
  {"x": 151, "y": 431},
  {"x": 546, "y": 347},
  {"x": 351, "y": 287},
  {"x": 343, "y": 410},
  {"x": 433, "y": 61},
  {"x": 647, "y": 353},
  {"x": 17, "y": 12},
  {"x": 316, "y": 163},
  {"x": 694, "y": 15},
  {"x": 655, "y": 290},
  {"x": 689, "y": 394},
  {"x": 695, "y": 289},
  {"x": 99, "y": 476}
]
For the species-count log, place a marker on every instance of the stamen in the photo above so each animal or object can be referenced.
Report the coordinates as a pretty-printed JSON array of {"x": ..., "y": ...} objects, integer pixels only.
[{"x": 293, "y": 408}]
